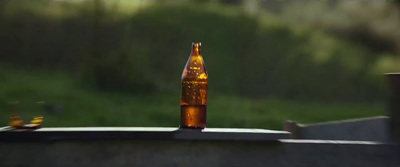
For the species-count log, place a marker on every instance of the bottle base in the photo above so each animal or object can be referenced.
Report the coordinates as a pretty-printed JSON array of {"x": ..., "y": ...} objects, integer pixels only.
[
  {"x": 193, "y": 116},
  {"x": 190, "y": 127}
]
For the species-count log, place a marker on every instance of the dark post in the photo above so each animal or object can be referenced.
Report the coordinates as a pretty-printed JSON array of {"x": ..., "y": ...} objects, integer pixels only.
[
  {"x": 293, "y": 128},
  {"x": 394, "y": 105}
]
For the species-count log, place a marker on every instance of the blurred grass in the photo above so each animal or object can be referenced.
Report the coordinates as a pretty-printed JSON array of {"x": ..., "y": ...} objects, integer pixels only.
[{"x": 80, "y": 107}]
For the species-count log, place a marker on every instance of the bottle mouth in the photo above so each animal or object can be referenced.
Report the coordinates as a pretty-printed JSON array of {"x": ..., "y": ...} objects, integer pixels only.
[
  {"x": 196, "y": 47},
  {"x": 196, "y": 44}
]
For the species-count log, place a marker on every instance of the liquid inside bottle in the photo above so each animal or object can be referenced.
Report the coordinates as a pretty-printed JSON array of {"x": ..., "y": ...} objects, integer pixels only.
[{"x": 194, "y": 91}]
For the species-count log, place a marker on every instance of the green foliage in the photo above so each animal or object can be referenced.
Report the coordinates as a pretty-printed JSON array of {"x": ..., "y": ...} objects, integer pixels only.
[
  {"x": 68, "y": 104},
  {"x": 141, "y": 47}
]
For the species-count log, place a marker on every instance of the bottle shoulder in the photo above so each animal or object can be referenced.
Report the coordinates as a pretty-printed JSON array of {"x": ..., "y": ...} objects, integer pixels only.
[{"x": 201, "y": 77}]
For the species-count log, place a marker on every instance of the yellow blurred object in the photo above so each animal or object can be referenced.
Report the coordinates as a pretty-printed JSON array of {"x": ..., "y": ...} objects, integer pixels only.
[
  {"x": 37, "y": 120},
  {"x": 18, "y": 123}
]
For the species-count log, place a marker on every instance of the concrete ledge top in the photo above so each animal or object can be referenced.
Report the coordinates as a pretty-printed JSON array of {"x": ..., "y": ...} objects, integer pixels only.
[
  {"x": 140, "y": 133},
  {"x": 335, "y": 142},
  {"x": 341, "y": 122}
]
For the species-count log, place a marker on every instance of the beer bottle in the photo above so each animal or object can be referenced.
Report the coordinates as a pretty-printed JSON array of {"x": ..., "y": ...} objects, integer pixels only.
[{"x": 194, "y": 91}]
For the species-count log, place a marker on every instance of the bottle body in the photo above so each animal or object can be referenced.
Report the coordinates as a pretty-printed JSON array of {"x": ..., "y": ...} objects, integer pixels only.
[{"x": 194, "y": 91}]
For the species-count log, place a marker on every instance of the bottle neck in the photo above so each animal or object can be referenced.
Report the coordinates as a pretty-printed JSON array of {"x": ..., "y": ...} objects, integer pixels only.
[{"x": 196, "y": 48}]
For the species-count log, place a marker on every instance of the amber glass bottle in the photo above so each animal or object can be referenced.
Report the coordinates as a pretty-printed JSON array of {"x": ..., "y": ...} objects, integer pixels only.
[{"x": 194, "y": 91}]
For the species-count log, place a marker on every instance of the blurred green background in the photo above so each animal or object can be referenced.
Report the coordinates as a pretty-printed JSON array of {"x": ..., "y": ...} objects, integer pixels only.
[{"x": 118, "y": 63}]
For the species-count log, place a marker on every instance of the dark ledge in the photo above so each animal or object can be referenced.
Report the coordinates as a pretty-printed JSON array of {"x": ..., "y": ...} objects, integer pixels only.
[{"x": 140, "y": 133}]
